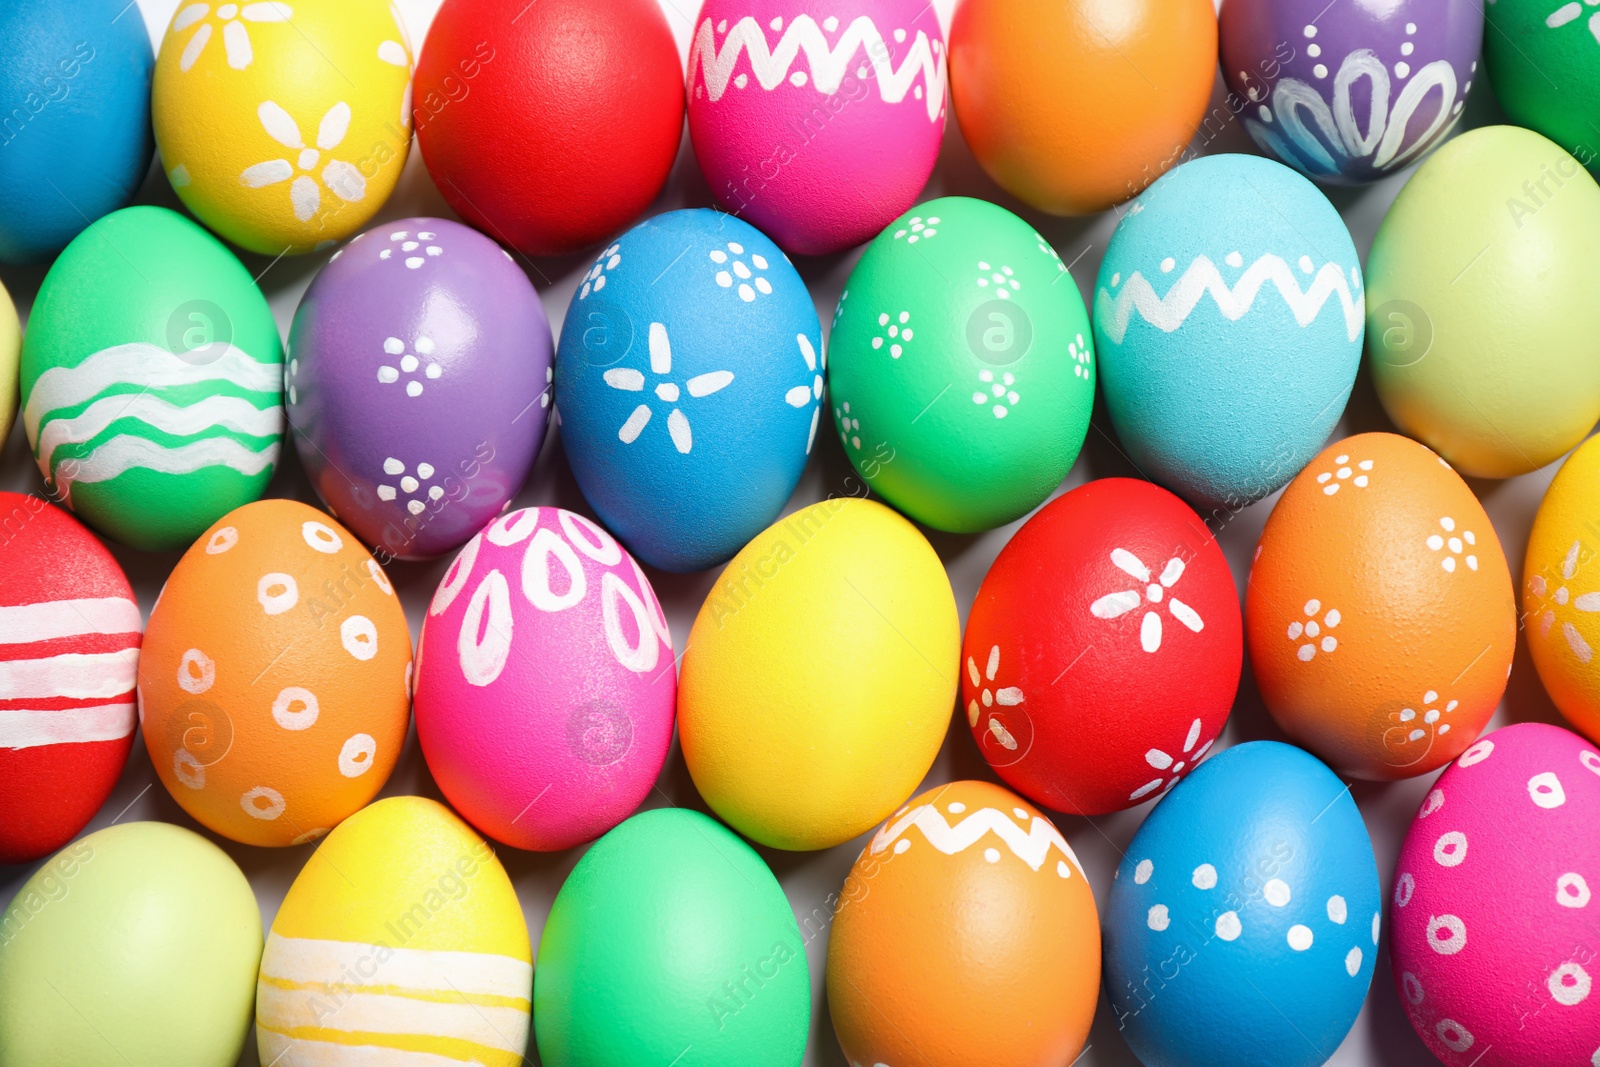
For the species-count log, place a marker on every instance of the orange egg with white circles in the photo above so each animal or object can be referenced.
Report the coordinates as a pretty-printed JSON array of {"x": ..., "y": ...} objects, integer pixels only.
[{"x": 275, "y": 682}]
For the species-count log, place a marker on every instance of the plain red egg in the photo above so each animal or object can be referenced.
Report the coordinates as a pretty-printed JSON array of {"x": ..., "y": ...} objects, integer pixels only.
[{"x": 549, "y": 125}]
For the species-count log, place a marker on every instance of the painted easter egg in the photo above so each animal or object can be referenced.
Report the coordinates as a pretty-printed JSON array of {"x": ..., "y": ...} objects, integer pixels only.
[
  {"x": 1349, "y": 95},
  {"x": 1379, "y": 611},
  {"x": 1545, "y": 70},
  {"x": 152, "y": 381},
  {"x": 965, "y": 933},
  {"x": 1075, "y": 107},
  {"x": 962, "y": 374},
  {"x": 1465, "y": 347},
  {"x": 10, "y": 356},
  {"x": 275, "y": 680},
  {"x": 1103, "y": 650},
  {"x": 533, "y": 690},
  {"x": 550, "y": 126},
  {"x": 69, "y": 650},
  {"x": 849, "y": 588},
  {"x": 75, "y": 90},
  {"x": 1491, "y": 924},
  {"x": 135, "y": 946},
  {"x": 419, "y": 384},
  {"x": 820, "y": 128},
  {"x": 1242, "y": 928},
  {"x": 400, "y": 941},
  {"x": 1560, "y": 603},
  {"x": 673, "y": 923},
  {"x": 1228, "y": 322},
  {"x": 690, "y": 378},
  {"x": 284, "y": 126}
]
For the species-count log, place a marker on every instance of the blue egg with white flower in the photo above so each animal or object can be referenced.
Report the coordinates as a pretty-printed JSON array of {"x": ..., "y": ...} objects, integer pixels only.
[
  {"x": 688, "y": 383},
  {"x": 1243, "y": 923},
  {"x": 1228, "y": 321}
]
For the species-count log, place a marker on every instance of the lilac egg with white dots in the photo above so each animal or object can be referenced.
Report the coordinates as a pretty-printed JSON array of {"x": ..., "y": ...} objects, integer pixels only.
[{"x": 419, "y": 384}]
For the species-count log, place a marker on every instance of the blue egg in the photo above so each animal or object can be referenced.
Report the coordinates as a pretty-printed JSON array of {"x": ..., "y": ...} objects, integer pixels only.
[
  {"x": 1228, "y": 319},
  {"x": 688, "y": 382},
  {"x": 1242, "y": 927},
  {"x": 74, "y": 119}
]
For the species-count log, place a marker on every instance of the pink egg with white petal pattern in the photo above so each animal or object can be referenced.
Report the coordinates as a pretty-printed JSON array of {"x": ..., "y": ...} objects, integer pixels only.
[
  {"x": 1492, "y": 928},
  {"x": 546, "y": 683}
]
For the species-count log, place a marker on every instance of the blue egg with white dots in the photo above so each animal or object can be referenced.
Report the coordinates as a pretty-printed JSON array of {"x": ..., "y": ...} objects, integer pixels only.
[
  {"x": 1243, "y": 923},
  {"x": 1228, "y": 321},
  {"x": 75, "y": 136},
  {"x": 688, "y": 382}
]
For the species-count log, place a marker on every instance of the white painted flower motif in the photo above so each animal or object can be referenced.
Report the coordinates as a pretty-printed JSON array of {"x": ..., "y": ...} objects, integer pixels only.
[
  {"x": 1115, "y": 605},
  {"x": 1456, "y": 543},
  {"x": 918, "y": 229},
  {"x": 667, "y": 391},
  {"x": 991, "y": 694},
  {"x": 1432, "y": 712},
  {"x": 849, "y": 425},
  {"x": 1311, "y": 629},
  {"x": 595, "y": 280},
  {"x": 414, "y": 250},
  {"x": 838, "y": 312},
  {"x": 801, "y": 395},
  {"x": 409, "y": 484},
  {"x": 998, "y": 391},
  {"x": 549, "y": 387},
  {"x": 1562, "y": 596},
  {"x": 1342, "y": 472},
  {"x": 1049, "y": 250},
  {"x": 1171, "y": 767},
  {"x": 343, "y": 179},
  {"x": 1081, "y": 357},
  {"x": 733, "y": 271},
  {"x": 896, "y": 333},
  {"x": 235, "y": 35},
  {"x": 410, "y": 362},
  {"x": 1001, "y": 278}
]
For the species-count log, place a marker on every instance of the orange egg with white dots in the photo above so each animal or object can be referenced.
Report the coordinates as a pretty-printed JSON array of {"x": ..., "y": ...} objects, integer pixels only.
[{"x": 275, "y": 680}]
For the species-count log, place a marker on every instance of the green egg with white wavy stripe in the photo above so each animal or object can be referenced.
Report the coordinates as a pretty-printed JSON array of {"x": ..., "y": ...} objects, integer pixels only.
[{"x": 152, "y": 380}]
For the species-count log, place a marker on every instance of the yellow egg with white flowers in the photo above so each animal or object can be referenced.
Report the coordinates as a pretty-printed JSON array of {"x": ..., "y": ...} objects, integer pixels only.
[{"x": 284, "y": 125}]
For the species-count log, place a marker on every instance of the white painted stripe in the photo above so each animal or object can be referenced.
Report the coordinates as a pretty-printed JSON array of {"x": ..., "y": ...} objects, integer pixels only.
[
  {"x": 73, "y": 675},
  {"x": 230, "y": 412},
  {"x": 125, "y": 452},
  {"x": 285, "y": 1051},
  {"x": 25, "y": 623},
  {"x": 375, "y": 1013},
  {"x": 29, "y": 728},
  {"x": 308, "y": 960}
]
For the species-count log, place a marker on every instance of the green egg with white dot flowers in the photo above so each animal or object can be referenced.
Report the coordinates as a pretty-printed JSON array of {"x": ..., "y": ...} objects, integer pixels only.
[{"x": 961, "y": 369}]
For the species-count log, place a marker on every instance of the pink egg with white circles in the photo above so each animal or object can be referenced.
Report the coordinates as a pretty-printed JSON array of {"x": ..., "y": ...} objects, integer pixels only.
[
  {"x": 546, "y": 683},
  {"x": 818, "y": 124},
  {"x": 1492, "y": 929}
]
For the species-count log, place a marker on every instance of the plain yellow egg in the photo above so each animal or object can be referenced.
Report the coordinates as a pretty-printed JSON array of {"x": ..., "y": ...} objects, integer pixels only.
[
  {"x": 10, "y": 354},
  {"x": 1561, "y": 590}
]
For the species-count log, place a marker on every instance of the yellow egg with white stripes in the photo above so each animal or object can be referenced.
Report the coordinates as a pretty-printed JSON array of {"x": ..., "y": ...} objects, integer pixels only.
[{"x": 401, "y": 943}]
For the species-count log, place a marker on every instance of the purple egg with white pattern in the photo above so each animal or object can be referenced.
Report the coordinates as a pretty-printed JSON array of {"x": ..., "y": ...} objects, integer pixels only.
[
  {"x": 419, "y": 384},
  {"x": 1349, "y": 93}
]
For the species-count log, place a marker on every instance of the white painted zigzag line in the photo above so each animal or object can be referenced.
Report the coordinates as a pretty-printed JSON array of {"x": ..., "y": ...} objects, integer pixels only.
[
  {"x": 124, "y": 452},
  {"x": 1032, "y": 847},
  {"x": 230, "y": 412}
]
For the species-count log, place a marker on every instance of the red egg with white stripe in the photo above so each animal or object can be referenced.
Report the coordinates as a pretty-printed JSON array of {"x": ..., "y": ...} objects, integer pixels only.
[{"x": 69, "y": 652}]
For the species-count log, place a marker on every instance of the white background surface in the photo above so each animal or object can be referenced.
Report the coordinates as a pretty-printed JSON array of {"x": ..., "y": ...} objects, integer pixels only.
[{"x": 1381, "y": 1035}]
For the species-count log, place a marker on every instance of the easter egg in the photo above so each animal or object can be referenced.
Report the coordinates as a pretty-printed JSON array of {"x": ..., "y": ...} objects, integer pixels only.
[
  {"x": 821, "y": 128},
  {"x": 275, "y": 680},
  {"x": 1546, "y": 74},
  {"x": 962, "y": 375},
  {"x": 673, "y": 923},
  {"x": 1228, "y": 322},
  {"x": 1242, "y": 928},
  {"x": 1492, "y": 359},
  {"x": 10, "y": 354},
  {"x": 850, "y": 588},
  {"x": 1491, "y": 921},
  {"x": 401, "y": 941},
  {"x": 1349, "y": 95},
  {"x": 965, "y": 933},
  {"x": 690, "y": 378},
  {"x": 284, "y": 127},
  {"x": 1379, "y": 610},
  {"x": 152, "y": 380},
  {"x": 531, "y": 685},
  {"x": 549, "y": 126},
  {"x": 1103, "y": 650},
  {"x": 1559, "y": 601},
  {"x": 135, "y": 946},
  {"x": 419, "y": 384},
  {"x": 75, "y": 143},
  {"x": 1075, "y": 107}
]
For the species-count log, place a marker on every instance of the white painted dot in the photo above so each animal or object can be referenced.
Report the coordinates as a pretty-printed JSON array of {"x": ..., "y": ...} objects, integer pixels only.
[
  {"x": 1451, "y": 849},
  {"x": 295, "y": 708},
  {"x": 355, "y": 758},
  {"x": 359, "y": 637},
  {"x": 992, "y": 855},
  {"x": 1299, "y": 937},
  {"x": 1157, "y": 919},
  {"x": 1228, "y": 926},
  {"x": 1337, "y": 910},
  {"x": 1572, "y": 891},
  {"x": 262, "y": 803},
  {"x": 1142, "y": 872},
  {"x": 1545, "y": 790},
  {"x": 1447, "y": 934},
  {"x": 1352, "y": 962},
  {"x": 1205, "y": 877},
  {"x": 1276, "y": 892}
]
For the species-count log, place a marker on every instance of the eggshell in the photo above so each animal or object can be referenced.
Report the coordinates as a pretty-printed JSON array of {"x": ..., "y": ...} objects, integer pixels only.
[
  {"x": 963, "y": 938},
  {"x": 1243, "y": 925},
  {"x": 419, "y": 384},
  {"x": 1228, "y": 321},
  {"x": 135, "y": 946},
  {"x": 1542, "y": 61},
  {"x": 1558, "y": 595},
  {"x": 1075, "y": 107},
  {"x": 674, "y": 924},
  {"x": 545, "y": 716},
  {"x": 1491, "y": 358},
  {"x": 401, "y": 941},
  {"x": 821, "y": 127},
  {"x": 1103, "y": 650},
  {"x": 75, "y": 144},
  {"x": 152, "y": 380},
  {"x": 275, "y": 680},
  {"x": 962, "y": 376},
  {"x": 10, "y": 354},
  {"x": 1491, "y": 925},
  {"x": 549, "y": 126},
  {"x": 1380, "y": 611},
  {"x": 689, "y": 378},
  {"x": 284, "y": 127},
  {"x": 850, "y": 588},
  {"x": 1349, "y": 94}
]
